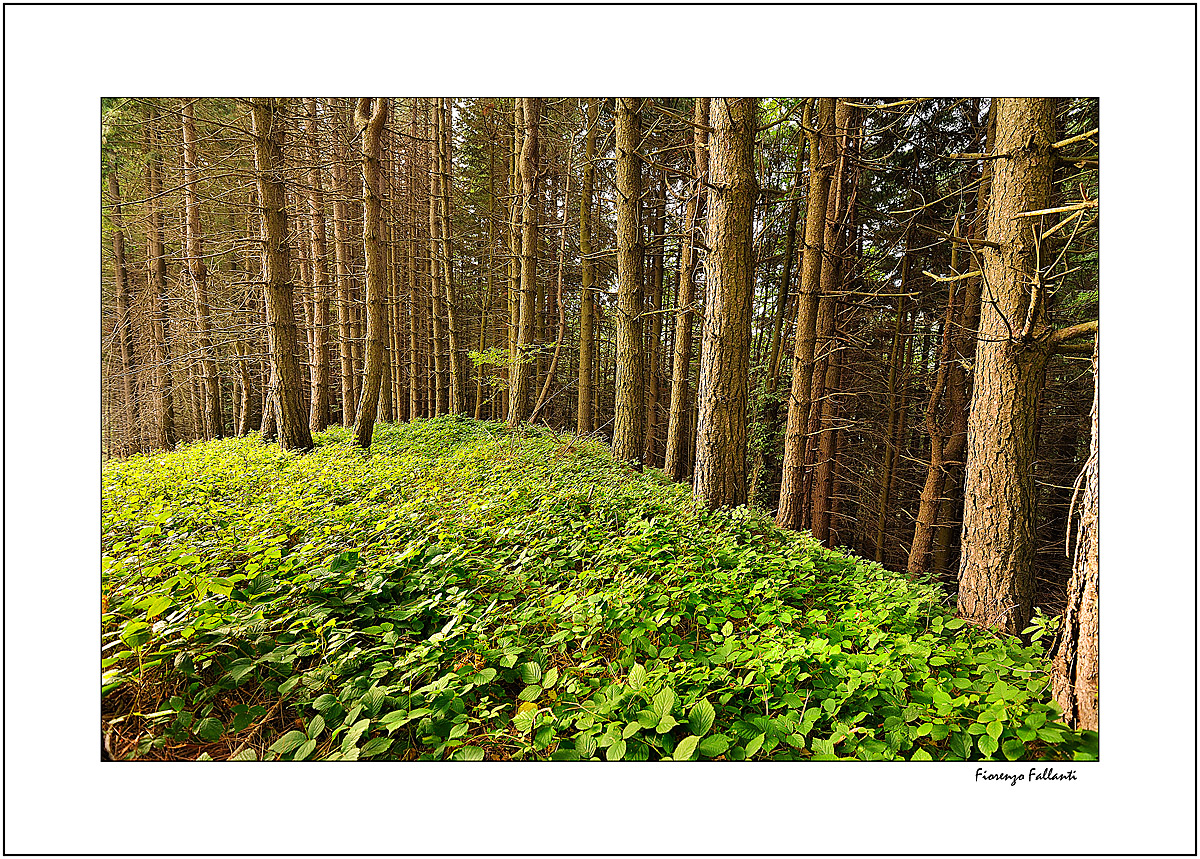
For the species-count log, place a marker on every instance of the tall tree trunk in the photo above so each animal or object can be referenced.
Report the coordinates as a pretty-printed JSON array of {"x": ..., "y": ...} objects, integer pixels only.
[
  {"x": 1075, "y": 657},
  {"x": 823, "y": 154},
  {"x": 650, "y": 453},
  {"x": 724, "y": 352},
  {"x": 318, "y": 417},
  {"x": 630, "y": 394},
  {"x": 587, "y": 315},
  {"x": 345, "y": 307},
  {"x": 370, "y": 116},
  {"x": 522, "y": 365},
  {"x": 292, "y": 428},
  {"x": 458, "y": 393},
  {"x": 124, "y": 323},
  {"x": 436, "y": 290},
  {"x": 996, "y": 585},
  {"x": 416, "y": 399},
  {"x": 156, "y": 265},
  {"x": 214, "y": 419},
  {"x": 678, "y": 452}
]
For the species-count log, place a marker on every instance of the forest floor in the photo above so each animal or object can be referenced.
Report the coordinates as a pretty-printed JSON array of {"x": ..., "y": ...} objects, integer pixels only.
[{"x": 469, "y": 592}]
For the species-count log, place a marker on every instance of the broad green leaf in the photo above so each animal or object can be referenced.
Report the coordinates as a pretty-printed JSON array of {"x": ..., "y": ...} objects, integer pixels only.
[
  {"x": 305, "y": 750},
  {"x": 523, "y": 721},
  {"x": 373, "y": 700},
  {"x": 550, "y": 679},
  {"x": 960, "y": 744},
  {"x": 988, "y": 744},
  {"x": 531, "y": 673},
  {"x": 630, "y": 729},
  {"x": 468, "y": 753},
  {"x": 637, "y": 676},
  {"x": 530, "y": 693},
  {"x": 377, "y": 746},
  {"x": 647, "y": 718},
  {"x": 487, "y": 675},
  {"x": 565, "y": 755},
  {"x": 701, "y": 717},
  {"x": 585, "y": 744},
  {"x": 663, "y": 702},
  {"x": 666, "y": 723},
  {"x": 324, "y": 702},
  {"x": 394, "y": 720},
  {"x": 754, "y": 745},
  {"x": 157, "y": 606},
  {"x": 210, "y": 729},
  {"x": 1013, "y": 749},
  {"x": 245, "y": 755},
  {"x": 994, "y": 730},
  {"x": 616, "y": 751},
  {"x": 290, "y": 740},
  {"x": 316, "y": 727},
  {"x": 921, "y": 755},
  {"x": 459, "y": 730},
  {"x": 685, "y": 749}
]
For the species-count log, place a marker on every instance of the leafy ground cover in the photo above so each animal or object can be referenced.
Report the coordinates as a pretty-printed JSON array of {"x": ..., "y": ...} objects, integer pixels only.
[{"x": 468, "y": 592}]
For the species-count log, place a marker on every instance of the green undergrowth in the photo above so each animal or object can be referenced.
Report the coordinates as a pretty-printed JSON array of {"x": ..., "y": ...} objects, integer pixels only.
[{"x": 464, "y": 591}]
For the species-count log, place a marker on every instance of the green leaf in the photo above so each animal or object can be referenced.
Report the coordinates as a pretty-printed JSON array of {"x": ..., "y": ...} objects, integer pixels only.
[
  {"x": 995, "y": 729},
  {"x": 565, "y": 755},
  {"x": 394, "y": 720},
  {"x": 754, "y": 745},
  {"x": 647, "y": 718},
  {"x": 530, "y": 693},
  {"x": 685, "y": 749},
  {"x": 377, "y": 746},
  {"x": 305, "y": 750},
  {"x": 290, "y": 740},
  {"x": 316, "y": 727},
  {"x": 714, "y": 745},
  {"x": 585, "y": 744},
  {"x": 616, "y": 751},
  {"x": 523, "y": 722},
  {"x": 245, "y": 755},
  {"x": 531, "y": 673},
  {"x": 210, "y": 729},
  {"x": 988, "y": 744},
  {"x": 666, "y": 723},
  {"x": 630, "y": 729},
  {"x": 459, "y": 730},
  {"x": 373, "y": 700},
  {"x": 487, "y": 675},
  {"x": 550, "y": 679},
  {"x": 324, "y": 702},
  {"x": 637, "y": 676},
  {"x": 701, "y": 717},
  {"x": 663, "y": 702},
  {"x": 960, "y": 744},
  {"x": 1013, "y": 749},
  {"x": 921, "y": 755},
  {"x": 468, "y": 753}
]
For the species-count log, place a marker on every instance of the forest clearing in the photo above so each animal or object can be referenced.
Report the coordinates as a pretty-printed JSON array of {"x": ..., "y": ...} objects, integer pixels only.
[{"x": 600, "y": 429}]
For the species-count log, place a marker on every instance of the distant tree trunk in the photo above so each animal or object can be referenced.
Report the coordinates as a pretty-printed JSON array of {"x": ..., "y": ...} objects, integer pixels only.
[
  {"x": 1075, "y": 657},
  {"x": 214, "y": 419},
  {"x": 678, "y": 452},
  {"x": 124, "y": 323},
  {"x": 630, "y": 394},
  {"x": 522, "y": 366},
  {"x": 725, "y": 350},
  {"x": 587, "y": 316},
  {"x": 485, "y": 309},
  {"x": 318, "y": 417},
  {"x": 996, "y": 584},
  {"x": 416, "y": 399},
  {"x": 293, "y": 429},
  {"x": 370, "y": 116},
  {"x": 436, "y": 289},
  {"x": 650, "y": 453},
  {"x": 156, "y": 264},
  {"x": 341, "y": 250},
  {"x": 822, "y": 149},
  {"x": 458, "y": 393},
  {"x": 515, "y": 206}
]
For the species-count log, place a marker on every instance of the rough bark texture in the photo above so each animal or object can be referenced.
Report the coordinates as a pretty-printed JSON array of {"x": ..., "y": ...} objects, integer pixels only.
[
  {"x": 1075, "y": 658},
  {"x": 318, "y": 416},
  {"x": 522, "y": 366},
  {"x": 724, "y": 354},
  {"x": 587, "y": 316},
  {"x": 458, "y": 376},
  {"x": 822, "y": 152},
  {"x": 627, "y": 443},
  {"x": 678, "y": 452},
  {"x": 289, "y": 418},
  {"x": 341, "y": 252},
  {"x": 124, "y": 324},
  {"x": 214, "y": 419},
  {"x": 156, "y": 265},
  {"x": 369, "y": 117},
  {"x": 650, "y": 444},
  {"x": 996, "y": 586}
]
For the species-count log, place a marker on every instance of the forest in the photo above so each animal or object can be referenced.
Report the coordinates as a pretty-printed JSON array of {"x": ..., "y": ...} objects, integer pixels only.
[{"x": 562, "y": 429}]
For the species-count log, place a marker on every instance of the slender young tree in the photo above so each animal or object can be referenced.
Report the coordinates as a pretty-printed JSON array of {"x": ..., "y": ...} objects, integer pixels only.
[
  {"x": 458, "y": 376},
  {"x": 822, "y": 152},
  {"x": 725, "y": 348},
  {"x": 124, "y": 327},
  {"x": 678, "y": 453},
  {"x": 587, "y": 316},
  {"x": 288, "y": 411},
  {"x": 214, "y": 419},
  {"x": 156, "y": 277},
  {"x": 318, "y": 417},
  {"x": 370, "y": 116},
  {"x": 627, "y": 443}
]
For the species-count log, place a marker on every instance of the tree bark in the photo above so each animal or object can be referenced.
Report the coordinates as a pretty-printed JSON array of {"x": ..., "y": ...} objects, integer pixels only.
[
  {"x": 124, "y": 323},
  {"x": 627, "y": 443},
  {"x": 678, "y": 452},
  {"x": 292, "y": 428},
  {"x": 1075, "y": 657},
  {"x": 650, "y": 452},
  {"x": 156, "y": 265},
  {"x": 823, "y": 154},
  {"x": 458, "y": 394},
  {"x": 214, "y": 419},
  {"x": 522, "y": 365},
  {"x": 996, "y": 585},
  {"x": 724, "y": 354},
  {"x": 587, "y": 316},
  {"x": 318, "y": 417}
]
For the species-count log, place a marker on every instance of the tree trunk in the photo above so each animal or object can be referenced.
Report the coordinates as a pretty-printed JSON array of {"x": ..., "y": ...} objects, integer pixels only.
[
  {"x": 996, "y": 586},
  {"x": 318, "y": 416},
  {"x": 124, "y": 323},
  {"x": 724, "y": 353},
  {"x": 522, "y": 364},
  {"x": 293, "y": 429},
  {"x": 156, "y": 264},
  {"x": 214, "y": 420},
  {"x": 1075, "y": 658},
  {"x": 678, "y": 452},
  {"x": 458, "y": 393},
  {"x": 630, "y": 393},
  {"x": 341, "y": 250},
  {"x": 587, "y": 316},
  {"x": 650, "y": 453},
  {"x": 823, "y": 153}
]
